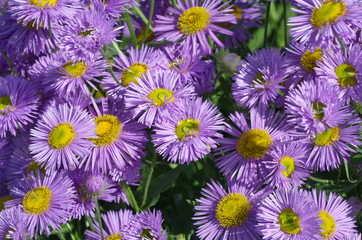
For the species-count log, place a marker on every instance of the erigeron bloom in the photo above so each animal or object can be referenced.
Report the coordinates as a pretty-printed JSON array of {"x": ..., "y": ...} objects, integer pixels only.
[
  {"x": 227, "y": 214},
  {"x": 288, "y": 215},
  {"x": 334, "y": 212},
  {"x": 18, "y": 104},
  {"x": 59, "y": 140},
  {"x": 187, "y": 133},
  {"x": 314, "y": 106},
  {"x": 343, "y": 69},
  {"x": 113, "y": 226},
  {"x": 260, "y": 78},
  {"x": 153, "y": 93},
  {"x": 322, "y": 19},
  {"x": 146, "y": 225},
  {"x": 333, "y": 146},
  {"x": 47, "y": 200},
  {"x": 14, "y": 223},
  {"x": 241, "y": 157},
  {"x": 119, "y": 140},
  {"x": 286, "y": 164},
  {"x": 113, "y": 8},
  {"x": 194, "y": 21}
]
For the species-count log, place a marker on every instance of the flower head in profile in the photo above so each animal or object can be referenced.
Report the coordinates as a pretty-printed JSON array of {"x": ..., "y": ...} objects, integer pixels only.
[
  {"x": 285, "y": 215},
  {"x": 195, "y": 21},
  {"x": 319, "y": 20},
  {"x": 227, "y": 214},
  {"x": 18, "y": 104},
  {"x": 187, "y": 132},
  {"x": 59, "y": 140},
  {"x": 153, "y": 93},
  {"x": 46, "y": 200}
]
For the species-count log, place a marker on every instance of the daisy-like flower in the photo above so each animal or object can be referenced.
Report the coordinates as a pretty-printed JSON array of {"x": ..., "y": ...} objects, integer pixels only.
[
  {"x": 14, "y": 224},
  {"x": 187, "y": 132},
  {"x": 113, "y": 227},
  {"x": 47, "y": 200},
  {"x": 242, "y": 157},
  {"x": 334, "y": 212},
  {"x": 42, "y": 13},
  {"x": 59, "y": 140},
  {"x": 87, "y": 32},
  {"x": 343, "y": 69},
  {"x": 146, "y": 225},
  {"x": 320, "y": 19},
  {"x": 333, "y": 146},
  {"x": 314, "y": 106},
  {"x": 259, "y": 78},
  {"x": 195, "y": 21},
  {"x": 18, "y": 104},
  {"x": 132, "y": 67},
  {"x": 286, "y": 164},
  {"x": 288, "y": 215},
  {"x": 58, "y": 72},
  {"x": 230, "y": 214},
  {"x": 149, "y": 98},
  {"x": 114, "y": 8},
  {"x": 120, "y": 140}
]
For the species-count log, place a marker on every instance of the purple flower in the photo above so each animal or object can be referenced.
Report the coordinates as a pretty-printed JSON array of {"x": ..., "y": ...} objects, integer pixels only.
[
  {"x": 47, "y": 200},
  {"x": 288, "y": 215},
  {"x": 14, "y": 224},
  {"x": 18, "y": 104},
  {"x": 114, "y": 8},
  {"x": 343, "y": 69},
  {"x": 153, "y": 93},
  {"x": 286, "y": 164},
  {"x": 187, "y": 132},
  {"x": 113, "y": 227},
  {"x": 321, "y": 19},
  {"x": 260, "y": 78},
  {"x": 242, "y": 157},
  {"x": 334, "y": 214},
  {"x": 195, "y": 21},
  {"x": 146, "y": 225},
  {"x": 59, "y": 140},
  {"x": 227, "y": 214}
]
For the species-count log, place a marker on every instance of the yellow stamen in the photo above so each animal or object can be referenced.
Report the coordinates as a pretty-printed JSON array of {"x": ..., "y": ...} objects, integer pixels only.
[
  {"x": 114, "y": 237},
  {"x": 161, "y": 96},
  {"x": 289, "y": 221},
  {"x": 61, "y": 136},
  {"x": 233, "y": 210},
  {"x": 328, "y": 13},
  {"x": 193, "y": 20},
  {"x": 187, "y": 128},
  {"x": 346, "y": 75},
  {"x": 254, "y": 143},
  {"x": 309, "y": 59},
  {"x": 37, "y": 200},
  {"x": 327, "y": 137},
  {"x": 5, "y": 102},
  {"x": 76, "y": 69},
  {"x": 44, "y": 3},
  {"x": 108, "y": 129},
  {"x": 288, "y": 163},
  {"x": 317, "y": 109},
  {"x": 132, "y": 73},
  {"x": 329, "y": 224}
]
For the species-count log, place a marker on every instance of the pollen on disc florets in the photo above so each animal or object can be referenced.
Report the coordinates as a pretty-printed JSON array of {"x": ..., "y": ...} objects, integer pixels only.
[
  {"x": 37, "y": 200},
  {"x": 108, "y": 128},
  {"x": 254, "y": 143},
  {"x": 194, "y": 20},
  {"x": 328, "y": 13},
  {"x": 61, "y": 136}
]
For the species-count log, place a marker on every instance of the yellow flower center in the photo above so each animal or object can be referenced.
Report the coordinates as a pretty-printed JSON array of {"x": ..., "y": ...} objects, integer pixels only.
[
  {"x": 132, "y": 73},
  {"x": 61, "y": 136},
  {"x": 186, "y": 128},
  {"x": 238, "y": 12},
  {"x": 33, "y": 166},
  {"x": 85, "y": 33},
  {"x": 309, "y": 59},
  {"x": 329, "y": 224},
  {"x": 114, "y": 237},
  {"x": 328, "y": 13},
  {"x": 37, "y": 200},
  {"x": 176, "y": 63},
  {"x": 5, "y": 102},
  {"x": 288, "y": 164},
  {"x": 233, "y": 210},
  {"x": 161, "y": 96},
  {"x": 44, "y": 3},
  {"x": 327, "y": 137},
  {"x": 76, "y": 69},
  {"x": 4, "y": 199},
  {"x": 108, "y": 128},
  {"x": 193, "y": 20},
  {"x": 317, "y": 109},
  {"x": 254, "y": 143},
  {"x": 289, "y": 221},
  {"x": 346, "y": 75}
]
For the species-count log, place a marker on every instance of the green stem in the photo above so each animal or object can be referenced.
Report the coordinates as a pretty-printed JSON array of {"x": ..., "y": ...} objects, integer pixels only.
[
  {"x": 110, "y": 67},
  {"x": 8, "y": 61},
  {"x": 90, "y": 222},
  {"x": 115, "y": 45},
  {"x": 347, "y": 173},
  {"x": 131, "y": 29},
  {"x": 130, "y": 196},
  {"x": 285, "y": 23},
  {"x": 148, "y": 181},
  {"x": 60, "y": 235},
  {"x": 99, "y": 218},
  {"x": 266, "y": 23},
  {"x": 142, "y": 16},
  {"x": 149, "y": 25},
  {"x": 319, "y": 180}
]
